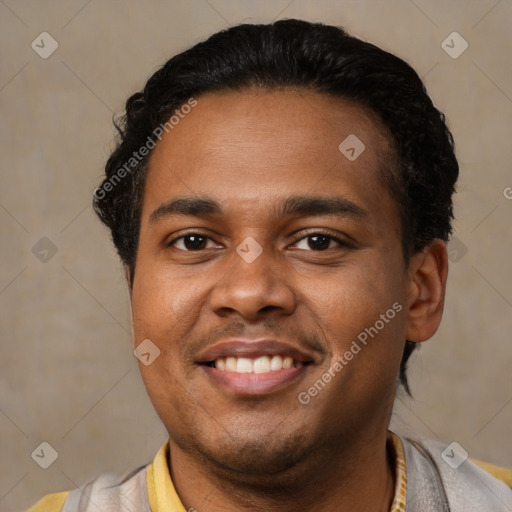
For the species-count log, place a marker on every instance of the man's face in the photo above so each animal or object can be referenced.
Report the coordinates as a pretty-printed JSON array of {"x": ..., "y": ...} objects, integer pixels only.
[{"x": 244, "y": 335}]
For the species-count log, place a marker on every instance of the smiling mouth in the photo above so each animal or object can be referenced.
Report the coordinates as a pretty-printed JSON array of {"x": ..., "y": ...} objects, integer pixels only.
[
  {"x": 261, "y": 364},
  {"x": 261, "y": 367}
]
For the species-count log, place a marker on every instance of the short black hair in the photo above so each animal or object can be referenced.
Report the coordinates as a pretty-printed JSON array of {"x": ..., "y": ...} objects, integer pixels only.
[{"x": 298, "y": 54}]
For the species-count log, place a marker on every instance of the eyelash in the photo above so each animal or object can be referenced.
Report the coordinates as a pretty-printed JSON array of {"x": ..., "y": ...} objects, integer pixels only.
[{"x": 342, "y": 243}]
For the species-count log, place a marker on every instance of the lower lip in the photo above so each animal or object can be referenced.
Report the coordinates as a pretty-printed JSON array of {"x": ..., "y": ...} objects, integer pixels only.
[{"x": 254, "y": 383}]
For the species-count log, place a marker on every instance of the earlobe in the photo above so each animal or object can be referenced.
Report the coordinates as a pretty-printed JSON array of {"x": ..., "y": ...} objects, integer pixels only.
[{"x": 427, "y": 287}]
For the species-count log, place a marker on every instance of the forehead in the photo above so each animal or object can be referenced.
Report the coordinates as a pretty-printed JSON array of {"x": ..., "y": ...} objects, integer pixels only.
[{"x": 252, "y": 147}]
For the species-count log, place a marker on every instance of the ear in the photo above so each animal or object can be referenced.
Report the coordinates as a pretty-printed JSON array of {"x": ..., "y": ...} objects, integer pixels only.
[{"x": 428, "y": 271}]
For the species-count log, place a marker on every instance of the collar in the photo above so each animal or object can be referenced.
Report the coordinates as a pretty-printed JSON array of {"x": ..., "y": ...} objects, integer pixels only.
[
  {"x": 163, "y": 496},
  {"x": 397, "y": 451}
]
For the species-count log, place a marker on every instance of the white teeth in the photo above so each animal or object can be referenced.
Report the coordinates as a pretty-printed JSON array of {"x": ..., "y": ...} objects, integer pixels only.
[
  {"x": 288, "y": 362},
  {"x": 276, "y": 363},
  {"x": 231, "y": 364},
  {"x": 262, "y": 364},
  {"x": 243, "y": 365}
]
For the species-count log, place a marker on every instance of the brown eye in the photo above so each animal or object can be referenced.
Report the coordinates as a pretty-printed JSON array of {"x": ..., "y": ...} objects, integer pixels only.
[
  {"x": 319, "y": 242},
  {"x": 192, "y": 242}
]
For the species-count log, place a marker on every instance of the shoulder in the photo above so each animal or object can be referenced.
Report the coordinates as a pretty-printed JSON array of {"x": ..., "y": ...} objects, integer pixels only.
[
  {"x": 104, "y": 492},
  {"x": 454, "y": 479},
  {"x": 129, "y": 488},
  {"x": 50, "y": 503},
  {"x": 503, "y": 474}
]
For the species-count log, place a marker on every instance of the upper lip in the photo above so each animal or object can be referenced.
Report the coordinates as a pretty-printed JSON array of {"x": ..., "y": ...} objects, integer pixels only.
[{"x": 252, "y": 348}]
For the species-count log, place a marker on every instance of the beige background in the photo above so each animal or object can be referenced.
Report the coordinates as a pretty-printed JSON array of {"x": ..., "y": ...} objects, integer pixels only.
[{"x": 68, "y": 376}]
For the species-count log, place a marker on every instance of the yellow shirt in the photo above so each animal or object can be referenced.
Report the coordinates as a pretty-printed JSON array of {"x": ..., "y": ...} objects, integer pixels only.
[{"x": 163, "y": 497}]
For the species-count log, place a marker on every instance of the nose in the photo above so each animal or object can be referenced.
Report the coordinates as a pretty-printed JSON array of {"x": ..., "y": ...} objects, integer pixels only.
[{"x": 253, "y": 288}]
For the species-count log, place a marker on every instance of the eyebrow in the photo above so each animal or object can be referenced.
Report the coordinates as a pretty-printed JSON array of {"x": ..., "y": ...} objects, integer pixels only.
[{"x": 295, "y": 206}]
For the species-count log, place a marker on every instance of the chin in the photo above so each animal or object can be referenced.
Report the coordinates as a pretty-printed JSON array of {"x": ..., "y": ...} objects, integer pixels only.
[{"x": 256, "y": 457}]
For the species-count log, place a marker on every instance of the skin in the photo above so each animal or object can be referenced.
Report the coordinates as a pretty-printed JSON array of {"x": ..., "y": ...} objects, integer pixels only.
[{"x": 250, "y": 151}]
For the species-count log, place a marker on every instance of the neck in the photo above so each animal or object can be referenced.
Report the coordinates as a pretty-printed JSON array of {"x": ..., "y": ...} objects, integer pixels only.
[{"x": 359, "y": 477}]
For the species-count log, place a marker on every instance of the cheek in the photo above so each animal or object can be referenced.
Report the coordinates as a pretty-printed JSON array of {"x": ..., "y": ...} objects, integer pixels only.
[
  {"x": 364, "y": 319},
  {"x": 354, "y": 298},
  {"x": 149, "y": 301},
  {"x": 166, "y": 309},
  {"x": 159, "y": 295}
]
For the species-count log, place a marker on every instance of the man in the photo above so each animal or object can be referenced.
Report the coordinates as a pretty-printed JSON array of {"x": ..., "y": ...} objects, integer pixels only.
[{"x": 280, "y": 197}]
